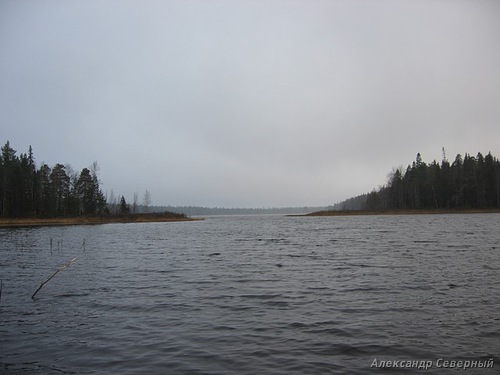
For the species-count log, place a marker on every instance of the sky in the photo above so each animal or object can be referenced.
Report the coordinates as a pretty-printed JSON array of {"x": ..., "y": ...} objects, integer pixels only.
[{"x": 249, "y": 103}]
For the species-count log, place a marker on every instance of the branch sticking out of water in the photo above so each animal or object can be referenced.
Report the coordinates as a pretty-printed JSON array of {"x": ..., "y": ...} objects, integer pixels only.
[{"x": 65, "y": 265}]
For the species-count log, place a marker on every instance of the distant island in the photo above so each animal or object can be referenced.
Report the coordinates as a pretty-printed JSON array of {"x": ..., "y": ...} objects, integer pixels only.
[
  {"x": 214, "y": 211},
  {"x": 61, "y": 196},
  {"x": 468, "y": 184}
]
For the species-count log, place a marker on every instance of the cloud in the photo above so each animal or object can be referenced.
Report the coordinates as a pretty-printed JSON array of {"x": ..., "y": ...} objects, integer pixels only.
[{"x": 249, "y": 103}]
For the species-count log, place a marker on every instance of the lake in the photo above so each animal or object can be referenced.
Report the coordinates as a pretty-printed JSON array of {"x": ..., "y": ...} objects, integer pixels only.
[{"x": 254, "y": 295}]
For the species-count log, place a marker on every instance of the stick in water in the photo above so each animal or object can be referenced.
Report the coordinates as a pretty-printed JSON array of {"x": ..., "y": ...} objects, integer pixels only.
[{"x": 55, "y": 273}]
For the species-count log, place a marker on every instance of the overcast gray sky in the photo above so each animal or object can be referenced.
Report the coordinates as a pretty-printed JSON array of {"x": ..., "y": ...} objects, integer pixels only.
[{"x": 243, "y": 103}]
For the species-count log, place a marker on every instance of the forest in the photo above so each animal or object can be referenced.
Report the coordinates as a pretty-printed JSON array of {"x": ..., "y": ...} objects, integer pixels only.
[
  {"x": 467, "y": 183},
  {"x": 26, "y": 190}
]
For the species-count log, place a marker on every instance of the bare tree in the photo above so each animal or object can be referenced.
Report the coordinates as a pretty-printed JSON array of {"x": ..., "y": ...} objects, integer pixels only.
[
  {"x": 112, "y": 202},
  {"x": 134, "y": 206},
  {"x": 147, "y": 200}
]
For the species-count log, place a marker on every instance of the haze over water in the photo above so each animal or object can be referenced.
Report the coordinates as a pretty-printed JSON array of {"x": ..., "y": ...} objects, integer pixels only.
[{"x": 251, "y": 295}]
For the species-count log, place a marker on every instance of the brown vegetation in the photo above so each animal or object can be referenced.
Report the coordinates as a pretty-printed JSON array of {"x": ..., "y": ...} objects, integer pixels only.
[
  {"x": 399, "y": 212},
  {"x": 92, "y": 220}
]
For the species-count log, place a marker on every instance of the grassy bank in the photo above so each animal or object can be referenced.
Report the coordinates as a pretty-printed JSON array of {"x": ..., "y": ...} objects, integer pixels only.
[
  {"x": 399, "y": 212},
  {"x": 92, "y": 220}
]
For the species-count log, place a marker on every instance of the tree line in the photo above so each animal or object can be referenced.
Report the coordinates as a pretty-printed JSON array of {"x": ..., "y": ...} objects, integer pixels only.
[
  {"x": 26, "y": 190},
  {"x": 205, "y": 211},
  {"x": 469, "y": 182}
]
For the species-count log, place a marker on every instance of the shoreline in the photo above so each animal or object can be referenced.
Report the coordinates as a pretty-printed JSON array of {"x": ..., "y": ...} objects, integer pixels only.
[
  {"x": 401, "y": 212},
  {"x": 91, "y": 220}
]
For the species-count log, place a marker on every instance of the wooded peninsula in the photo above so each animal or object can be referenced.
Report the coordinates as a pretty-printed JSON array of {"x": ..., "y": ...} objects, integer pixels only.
[
  {"x": 468, "y": 184},
  {"x": 59, "y": 196}
]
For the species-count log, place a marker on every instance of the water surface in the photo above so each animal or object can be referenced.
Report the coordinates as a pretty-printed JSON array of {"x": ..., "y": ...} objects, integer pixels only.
[{"x": 251, "y": 295}]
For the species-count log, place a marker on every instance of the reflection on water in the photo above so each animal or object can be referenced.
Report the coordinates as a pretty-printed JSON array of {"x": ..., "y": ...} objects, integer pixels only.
[{"x": 251, "y": 295}]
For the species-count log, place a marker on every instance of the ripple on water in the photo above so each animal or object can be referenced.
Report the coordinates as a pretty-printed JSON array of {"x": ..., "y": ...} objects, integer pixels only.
[{"x": 246, "y": 295}]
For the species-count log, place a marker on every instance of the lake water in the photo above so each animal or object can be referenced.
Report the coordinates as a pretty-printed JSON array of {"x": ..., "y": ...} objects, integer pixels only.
[{"x": 252, "y": 295}]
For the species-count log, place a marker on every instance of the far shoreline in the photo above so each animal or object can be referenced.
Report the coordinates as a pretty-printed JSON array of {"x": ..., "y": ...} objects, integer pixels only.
[
  {"x": 91, "y": 220},
  {"x": 398, "y": 212}
]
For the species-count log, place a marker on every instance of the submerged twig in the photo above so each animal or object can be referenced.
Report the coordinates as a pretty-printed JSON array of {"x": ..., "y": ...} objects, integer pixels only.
[
  {"x": 55, "y": 273},
  {"x": 1, "y": 286}
]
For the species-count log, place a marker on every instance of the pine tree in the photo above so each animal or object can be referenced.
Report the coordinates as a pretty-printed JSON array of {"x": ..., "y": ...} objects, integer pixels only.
[
  {"x": 60, "y": 190},
  {"x": 8, "y": 162},
  {"x": 124, "y": 208}
]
